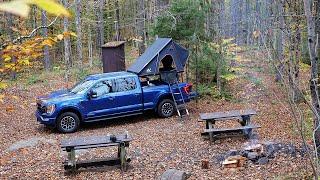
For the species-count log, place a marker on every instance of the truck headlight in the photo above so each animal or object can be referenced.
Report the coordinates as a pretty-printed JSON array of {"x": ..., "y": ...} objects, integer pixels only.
[{"x": 50, "y": 109}]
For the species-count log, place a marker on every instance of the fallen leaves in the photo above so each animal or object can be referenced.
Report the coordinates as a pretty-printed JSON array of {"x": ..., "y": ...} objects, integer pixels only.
[{"x": 159, "y": 144}]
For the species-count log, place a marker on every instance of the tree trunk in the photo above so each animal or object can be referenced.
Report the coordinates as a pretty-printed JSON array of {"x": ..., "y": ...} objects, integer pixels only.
[
  {"x": 46, "y": 56},
  {"x": 258, "y": 22},
  {"x": 141, "y": 26},
  {"x": 314, "y": 67},
  {"x": 89, "y": 33},
  {"x": 78, "y": 30},
  {"x": 221, "y": 19},
  {"x": 234, "y": 25},
  {"x": 247, "y": 14},
  {"x": 280, "y": 42},
  {"x": 101, "y": 23},
  {"x": 117, "y": 20},
  {"x": 10, "y": 34},
  {"x": 67, "y": 45}
]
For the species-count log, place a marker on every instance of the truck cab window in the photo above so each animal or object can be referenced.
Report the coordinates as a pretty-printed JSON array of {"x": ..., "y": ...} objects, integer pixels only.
[
  {"x": 124, "y": 84},
  {"x": 103, "y": 87}
]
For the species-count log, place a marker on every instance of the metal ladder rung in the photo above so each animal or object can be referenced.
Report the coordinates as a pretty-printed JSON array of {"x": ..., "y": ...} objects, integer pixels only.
[{"x": 181, "y": 108}]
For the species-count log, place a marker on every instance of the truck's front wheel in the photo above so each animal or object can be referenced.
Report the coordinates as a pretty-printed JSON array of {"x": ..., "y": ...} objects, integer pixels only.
[
  {"x": 68, "y": 122},
  {"x": 166, "y": 108}
]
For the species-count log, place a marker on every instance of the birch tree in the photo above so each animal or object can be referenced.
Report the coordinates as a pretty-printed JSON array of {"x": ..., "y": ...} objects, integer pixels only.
[
  {"x": 46, "y": 58},
  {"x": 67, "y": 45},
  {"x": 89, "y": 34},
  {"x": 78, "y": 30}
]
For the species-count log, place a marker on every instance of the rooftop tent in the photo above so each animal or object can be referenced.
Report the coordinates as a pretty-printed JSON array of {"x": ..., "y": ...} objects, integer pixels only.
[{"x": 162, "y": 51}]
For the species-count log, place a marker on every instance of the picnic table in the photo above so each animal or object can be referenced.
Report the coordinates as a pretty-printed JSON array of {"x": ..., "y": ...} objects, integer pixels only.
[
  {"x": 71, "y": 145},
  {"x": 243, "y": 117}
]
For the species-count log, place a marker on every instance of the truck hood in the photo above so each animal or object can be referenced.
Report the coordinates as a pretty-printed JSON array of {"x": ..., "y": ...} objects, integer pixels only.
[{"x": 58, "y": 96}]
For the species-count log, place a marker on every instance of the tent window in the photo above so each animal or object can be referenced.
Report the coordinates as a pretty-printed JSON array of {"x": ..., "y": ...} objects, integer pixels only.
[
  {"x": 167, "y": 63},
  {"x": 168, "y": 72}
]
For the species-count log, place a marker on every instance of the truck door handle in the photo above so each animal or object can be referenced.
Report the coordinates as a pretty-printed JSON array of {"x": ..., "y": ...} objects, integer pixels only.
[
  {"x": 136, "y": 94},
  {"x": 110, "y": 98}
]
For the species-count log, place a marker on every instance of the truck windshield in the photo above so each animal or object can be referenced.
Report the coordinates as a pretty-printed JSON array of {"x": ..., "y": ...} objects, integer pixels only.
[{"x": 83, "y": 86}]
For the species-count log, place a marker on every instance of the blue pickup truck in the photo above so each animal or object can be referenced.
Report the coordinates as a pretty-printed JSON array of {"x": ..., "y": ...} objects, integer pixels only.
[{"x": 105, "y": 96}]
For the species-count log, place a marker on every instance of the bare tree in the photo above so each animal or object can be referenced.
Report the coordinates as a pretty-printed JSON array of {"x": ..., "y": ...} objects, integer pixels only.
[
  {"x": 89, "y": 33},
  {"x": 141, "y": 25},
  {"x": 78, "y": 29},
  {"x": 117, "y": 23},
  {"x": 312, "y": 40},
  {"x": 46, "y": 56},
  {"x": 101, "y": 23},
  {"x": 67, "y": 44},
  {"x": 280, "y": 41}
]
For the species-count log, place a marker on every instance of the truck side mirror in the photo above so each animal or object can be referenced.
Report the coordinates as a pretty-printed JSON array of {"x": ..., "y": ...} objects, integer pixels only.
[{"x": 92, "y": 94}]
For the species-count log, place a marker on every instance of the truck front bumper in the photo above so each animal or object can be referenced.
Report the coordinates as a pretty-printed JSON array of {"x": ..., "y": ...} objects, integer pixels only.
[{"x": 44, "y": 119}]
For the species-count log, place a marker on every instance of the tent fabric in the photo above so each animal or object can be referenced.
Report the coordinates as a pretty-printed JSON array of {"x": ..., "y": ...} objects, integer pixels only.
[{"x": 149, "y": 62}]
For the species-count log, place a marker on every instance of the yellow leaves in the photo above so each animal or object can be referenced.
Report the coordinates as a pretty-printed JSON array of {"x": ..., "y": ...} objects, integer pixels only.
[
  {"x": 17, "y": 57},
  {"x": 1, "y": 98},
  {"x": 48, "y": 42},
  {"x": 9, "y": 65},
  {"x": 51, "y": 7},
  {"x": 73, "y": 34},
  {"x": 69, "y": 33},
  {"x": 3, "y": 85},
  {"x": 60, "y": 37},
  {"x": 304, "y": 66},
  {"x": 214, "y": 45},
  {"x": 17, "y": 7},
  {"x": 228, "y": 77},
  {"x": 15, "y": 97},
  {"x": 227, "y": 41},
  {"x": 6, "y": 58},
  {"x": 22, "y": 7},
  {"x": 24, "y": 62},
  {"x": 236, "y": 69}
]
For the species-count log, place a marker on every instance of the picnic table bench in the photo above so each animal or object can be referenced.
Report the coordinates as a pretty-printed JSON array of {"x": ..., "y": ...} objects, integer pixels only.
[
  {"x": 243, "y": 117},
  {"x": 71, "y": 145}
]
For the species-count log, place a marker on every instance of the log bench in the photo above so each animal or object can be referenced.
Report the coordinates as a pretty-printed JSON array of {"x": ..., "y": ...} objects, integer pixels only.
[
  {"x": 71, "y": 145},
  {"x": 242, "y": 116}
]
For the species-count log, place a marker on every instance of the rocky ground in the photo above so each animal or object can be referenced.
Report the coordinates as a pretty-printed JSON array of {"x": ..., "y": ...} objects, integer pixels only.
[{"x": 29, "y": 150}]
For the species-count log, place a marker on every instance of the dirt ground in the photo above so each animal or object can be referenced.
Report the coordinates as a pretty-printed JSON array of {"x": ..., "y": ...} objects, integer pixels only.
[{"x": 31, "y": 151}]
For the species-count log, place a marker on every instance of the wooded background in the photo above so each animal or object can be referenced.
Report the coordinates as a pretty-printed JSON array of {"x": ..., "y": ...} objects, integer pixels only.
[{"x": 213, "y": 30}]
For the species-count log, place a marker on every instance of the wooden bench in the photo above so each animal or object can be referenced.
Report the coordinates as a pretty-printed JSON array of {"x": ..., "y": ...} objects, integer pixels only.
[
  {"x": 243, "y": 117},
  {"x": 71, "y": 145}
]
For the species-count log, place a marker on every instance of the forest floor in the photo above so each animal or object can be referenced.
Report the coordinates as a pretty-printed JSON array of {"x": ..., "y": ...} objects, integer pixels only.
[{"x": 28, "y": 150}]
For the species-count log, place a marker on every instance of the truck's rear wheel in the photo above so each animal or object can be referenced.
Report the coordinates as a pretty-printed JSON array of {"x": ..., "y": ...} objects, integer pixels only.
[
  {"x": 166, "y": 108},
  {"x": 68, "y": 122}
]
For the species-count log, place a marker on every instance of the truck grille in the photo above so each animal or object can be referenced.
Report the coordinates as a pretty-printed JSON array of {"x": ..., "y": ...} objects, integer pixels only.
[{"x": 41, "y": 109}]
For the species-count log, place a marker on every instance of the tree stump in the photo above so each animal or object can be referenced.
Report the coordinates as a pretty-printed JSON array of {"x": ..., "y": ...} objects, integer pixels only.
[{"x": 205, "y": 164}]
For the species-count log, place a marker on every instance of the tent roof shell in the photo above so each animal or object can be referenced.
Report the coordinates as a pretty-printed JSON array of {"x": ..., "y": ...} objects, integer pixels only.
[{"x": 148, "y": 62}]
